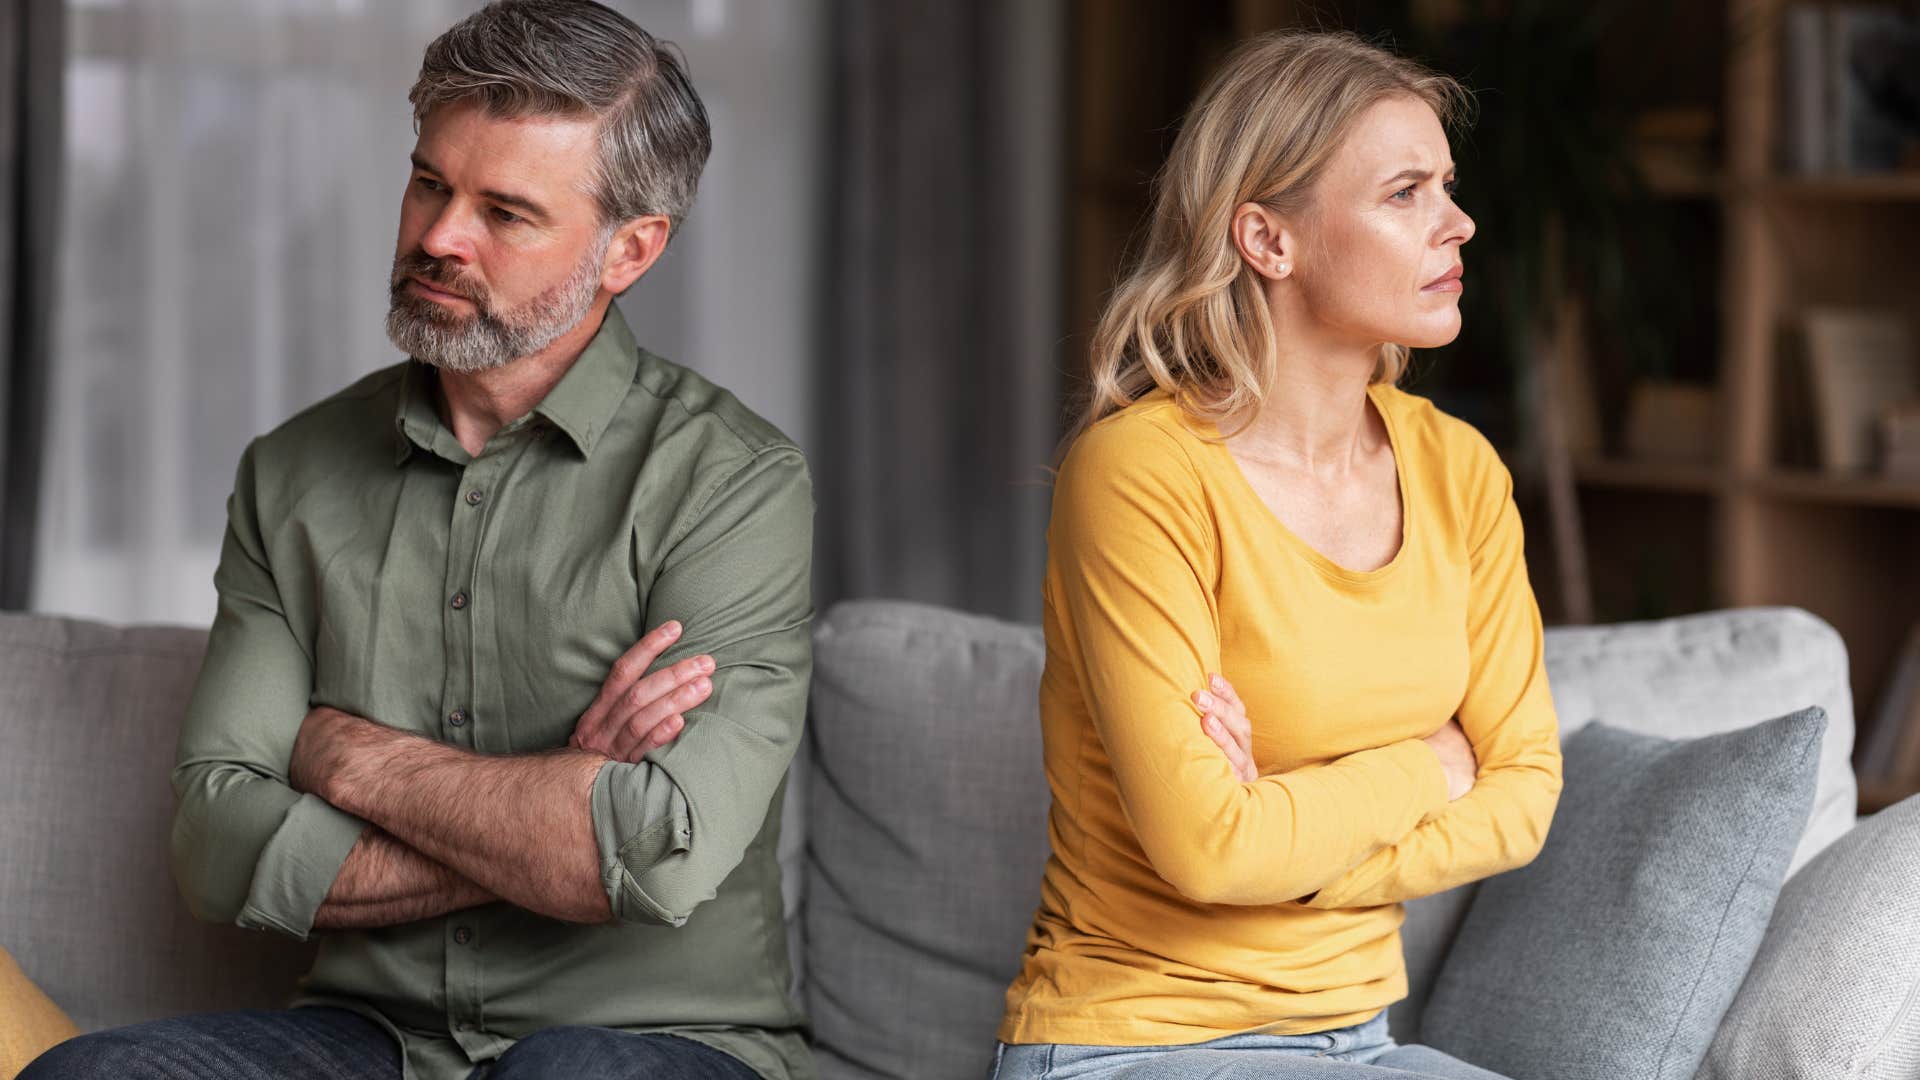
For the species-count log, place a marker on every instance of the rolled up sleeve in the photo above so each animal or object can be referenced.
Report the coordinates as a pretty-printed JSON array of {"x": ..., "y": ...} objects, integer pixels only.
[
  {"x": 671, "y": 827},
  {"x": 246, "y": 848}
]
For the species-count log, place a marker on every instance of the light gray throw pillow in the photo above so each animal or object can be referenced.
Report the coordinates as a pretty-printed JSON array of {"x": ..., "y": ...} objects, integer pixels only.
[
  {"x": 927, "y": 835},
  {"x": 1615, "y": 953},
  {"x": 1835, "y": 991}
]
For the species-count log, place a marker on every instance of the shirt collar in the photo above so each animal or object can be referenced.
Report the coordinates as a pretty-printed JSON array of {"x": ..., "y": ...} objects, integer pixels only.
[{"x": 582, "y": 404}]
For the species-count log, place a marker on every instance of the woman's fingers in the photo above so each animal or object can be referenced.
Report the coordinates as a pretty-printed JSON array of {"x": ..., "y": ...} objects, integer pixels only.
[
  {"x": 1236, "y": 713},
  {"x": 1237, "y": 756}
]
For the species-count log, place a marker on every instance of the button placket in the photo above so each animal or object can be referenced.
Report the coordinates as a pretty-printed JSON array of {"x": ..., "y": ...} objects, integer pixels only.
[{"x": 462, "y": 968}]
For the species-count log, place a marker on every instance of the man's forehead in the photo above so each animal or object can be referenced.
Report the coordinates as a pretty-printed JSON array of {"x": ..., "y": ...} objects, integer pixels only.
[{"x": 545, "y": 151}]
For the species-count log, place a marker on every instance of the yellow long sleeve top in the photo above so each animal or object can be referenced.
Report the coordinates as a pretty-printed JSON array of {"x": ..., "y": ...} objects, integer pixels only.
[{"x": 1180, "y": 904}]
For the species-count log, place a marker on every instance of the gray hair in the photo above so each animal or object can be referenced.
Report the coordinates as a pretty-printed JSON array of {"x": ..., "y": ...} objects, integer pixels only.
[{"x": 576, "y": 58}]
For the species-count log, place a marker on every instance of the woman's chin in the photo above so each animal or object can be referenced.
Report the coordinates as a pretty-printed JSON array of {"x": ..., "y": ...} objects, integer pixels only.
[{"x": 1433, "y": 337}]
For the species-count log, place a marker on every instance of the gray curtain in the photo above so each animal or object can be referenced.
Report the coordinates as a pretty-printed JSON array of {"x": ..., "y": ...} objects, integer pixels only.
[
  {"x": 32, "y": 67},
  {"x": 939, "y": 399}
]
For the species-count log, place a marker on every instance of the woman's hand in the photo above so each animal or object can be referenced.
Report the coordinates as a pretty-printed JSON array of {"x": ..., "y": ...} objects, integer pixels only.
[
  {"x": 1224, "y": 719},
  {"x": 1457, "y": 756}
]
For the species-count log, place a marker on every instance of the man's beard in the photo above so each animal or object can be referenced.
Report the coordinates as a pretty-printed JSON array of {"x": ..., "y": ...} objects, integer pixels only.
[{"x": 436, "y": 334}]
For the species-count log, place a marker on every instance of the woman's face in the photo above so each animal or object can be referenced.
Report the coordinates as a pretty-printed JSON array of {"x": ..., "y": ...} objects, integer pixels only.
[{"x": 1362, "y": 262}]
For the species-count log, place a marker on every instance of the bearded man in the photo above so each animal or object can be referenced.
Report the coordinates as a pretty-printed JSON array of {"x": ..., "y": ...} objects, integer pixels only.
[{"x": 512, "y": 647}]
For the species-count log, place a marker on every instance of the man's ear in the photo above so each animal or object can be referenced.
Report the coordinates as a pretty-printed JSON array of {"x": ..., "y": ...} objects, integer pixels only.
[{"x": 636, "y": 245}]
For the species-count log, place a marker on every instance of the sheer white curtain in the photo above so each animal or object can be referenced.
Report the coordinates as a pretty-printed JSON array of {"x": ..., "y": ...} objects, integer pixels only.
[{"x": 234, "y": 175}]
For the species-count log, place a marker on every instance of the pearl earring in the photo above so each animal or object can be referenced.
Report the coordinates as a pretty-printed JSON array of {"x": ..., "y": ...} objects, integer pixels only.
[{"x": 1280, "y": 269}]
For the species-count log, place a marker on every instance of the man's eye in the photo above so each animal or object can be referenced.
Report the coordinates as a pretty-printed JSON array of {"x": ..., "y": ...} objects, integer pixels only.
[
  {"x": 427, "y": 183},
  {"x": 506, "y": 216}
]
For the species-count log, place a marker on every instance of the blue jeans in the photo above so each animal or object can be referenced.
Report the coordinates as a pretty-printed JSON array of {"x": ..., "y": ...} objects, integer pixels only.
[
  {"x": 334, "y": 1044},
  {"x": 1364, "y": 1051}
]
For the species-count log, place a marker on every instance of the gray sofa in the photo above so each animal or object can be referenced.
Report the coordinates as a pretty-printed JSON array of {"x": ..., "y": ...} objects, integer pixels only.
[{"x": 915, "y": 819}]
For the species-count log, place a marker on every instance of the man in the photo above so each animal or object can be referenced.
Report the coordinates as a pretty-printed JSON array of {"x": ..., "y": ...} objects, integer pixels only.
[{"x": 530, "y": 839}]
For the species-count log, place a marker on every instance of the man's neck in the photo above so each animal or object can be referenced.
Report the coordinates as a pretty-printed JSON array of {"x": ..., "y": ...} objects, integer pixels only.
[{"x": 475, "y": 405}]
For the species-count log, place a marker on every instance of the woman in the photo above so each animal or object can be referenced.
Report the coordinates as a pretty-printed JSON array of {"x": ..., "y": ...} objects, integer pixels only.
[{"x": 1294, "y": 669}]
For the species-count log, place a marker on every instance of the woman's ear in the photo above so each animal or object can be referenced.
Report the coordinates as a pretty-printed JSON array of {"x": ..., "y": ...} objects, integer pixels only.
[{"x": 1263, "y": 240}]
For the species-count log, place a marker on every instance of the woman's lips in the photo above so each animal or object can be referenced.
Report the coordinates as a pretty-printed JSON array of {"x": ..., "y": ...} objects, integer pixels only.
[{"x": 1450, "y": 282}]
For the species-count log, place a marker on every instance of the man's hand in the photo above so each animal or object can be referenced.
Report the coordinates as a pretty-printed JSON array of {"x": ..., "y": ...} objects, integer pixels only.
[{"x": 635, "y": 711}]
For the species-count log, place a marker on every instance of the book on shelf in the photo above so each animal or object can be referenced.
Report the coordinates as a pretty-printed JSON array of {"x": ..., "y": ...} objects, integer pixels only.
[
  {"x": 1900, "y": 441},
  {"x": 1890, "y": 751},
  {"x": 1850, "y": 88},
  {"x": 1859, "y": 362},
  {"x": 1672, "y": 422}
]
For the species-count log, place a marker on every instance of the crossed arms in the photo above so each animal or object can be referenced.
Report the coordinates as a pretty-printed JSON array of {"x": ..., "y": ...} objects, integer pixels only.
[
  {"x": 291, "y": 818},
  {"x": 1134, "y": 538}
]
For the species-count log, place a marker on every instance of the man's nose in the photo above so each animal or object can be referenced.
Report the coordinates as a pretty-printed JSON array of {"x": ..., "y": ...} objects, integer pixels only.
[{"x": 450, "y": 235}]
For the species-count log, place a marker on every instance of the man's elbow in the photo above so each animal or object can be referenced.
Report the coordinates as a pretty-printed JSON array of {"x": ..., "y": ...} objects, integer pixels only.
[
  {"x": 664, "y": 895},
  {"x": 205, "y": 881}
]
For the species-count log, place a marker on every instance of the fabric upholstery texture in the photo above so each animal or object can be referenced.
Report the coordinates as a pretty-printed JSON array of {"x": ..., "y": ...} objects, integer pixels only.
[
  {"x": 29, "y": 1022},
  {"x": 1716, "y": 671},
  {"x": 1615, "y": 953},
  {"x": 1834, "y": 993},
  {"x": 929, "y": 833},
  {"x": 88, "y": 716}
]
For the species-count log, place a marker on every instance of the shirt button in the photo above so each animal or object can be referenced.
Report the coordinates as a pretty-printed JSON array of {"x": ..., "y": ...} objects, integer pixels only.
[
  {"x": 474, "y": 497},
  {"x": 462, "y": 935},
  {"x": 457, "y": 717},
  {"x": 459, "y": 600}
]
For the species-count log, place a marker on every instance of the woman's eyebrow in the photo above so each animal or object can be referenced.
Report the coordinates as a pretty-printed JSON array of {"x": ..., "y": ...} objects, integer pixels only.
[{"x": 1418, "y": 175}]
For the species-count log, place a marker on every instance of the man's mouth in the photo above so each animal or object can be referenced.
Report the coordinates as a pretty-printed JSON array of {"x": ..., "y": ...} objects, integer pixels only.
[{"x": 433, "y": 293}]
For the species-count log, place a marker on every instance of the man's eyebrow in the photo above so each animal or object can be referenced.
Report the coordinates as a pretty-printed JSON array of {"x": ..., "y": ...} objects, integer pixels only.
[
  {"x": 1417, "y": 175},
  {"x": 505, "y": 198}
]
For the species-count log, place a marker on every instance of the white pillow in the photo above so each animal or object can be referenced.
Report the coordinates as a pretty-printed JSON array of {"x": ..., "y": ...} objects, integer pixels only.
[{"x": 1835, "y": 989}]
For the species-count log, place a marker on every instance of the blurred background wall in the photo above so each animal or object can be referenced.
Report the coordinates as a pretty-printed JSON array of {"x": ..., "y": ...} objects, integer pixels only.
[{"x": 1691, "y": 332}]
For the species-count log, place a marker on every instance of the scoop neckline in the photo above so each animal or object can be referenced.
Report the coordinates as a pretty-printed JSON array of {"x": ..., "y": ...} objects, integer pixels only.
[{"x": 1312, "y": 554}]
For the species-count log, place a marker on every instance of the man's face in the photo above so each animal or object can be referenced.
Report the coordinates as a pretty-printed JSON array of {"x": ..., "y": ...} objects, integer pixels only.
[{"x": 500, "y": 249}]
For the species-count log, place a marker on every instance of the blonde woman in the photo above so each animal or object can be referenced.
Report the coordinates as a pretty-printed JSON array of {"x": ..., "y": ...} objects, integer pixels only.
[{"x": 1294, "y": 670}]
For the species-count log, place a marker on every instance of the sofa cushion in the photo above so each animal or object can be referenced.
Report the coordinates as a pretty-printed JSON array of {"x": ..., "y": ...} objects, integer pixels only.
[
  {"x": 1834, "y": 993},
  {"x": 88, "y": 718},
  {"x": 927, "y": 823},
  {"x": 1716, "y": 671},
  {"x": 1615, "y": 953}
]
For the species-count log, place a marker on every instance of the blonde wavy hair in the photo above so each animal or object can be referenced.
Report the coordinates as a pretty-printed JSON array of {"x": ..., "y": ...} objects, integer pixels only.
[{"x": 1191, "y": 316}]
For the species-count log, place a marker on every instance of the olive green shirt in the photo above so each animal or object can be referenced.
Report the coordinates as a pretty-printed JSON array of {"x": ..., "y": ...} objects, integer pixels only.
[{"x": 372, "y": 565}]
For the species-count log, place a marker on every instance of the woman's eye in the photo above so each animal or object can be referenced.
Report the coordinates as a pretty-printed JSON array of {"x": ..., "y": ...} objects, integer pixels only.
[{"x": 1451, "y": 186}]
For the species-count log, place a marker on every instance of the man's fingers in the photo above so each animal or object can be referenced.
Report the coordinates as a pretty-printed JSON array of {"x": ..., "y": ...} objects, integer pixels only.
[
  {"x": 661, "y": 683},
  {"x": 630, "y": 740},
  {"x": 635, "y": 661}
]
